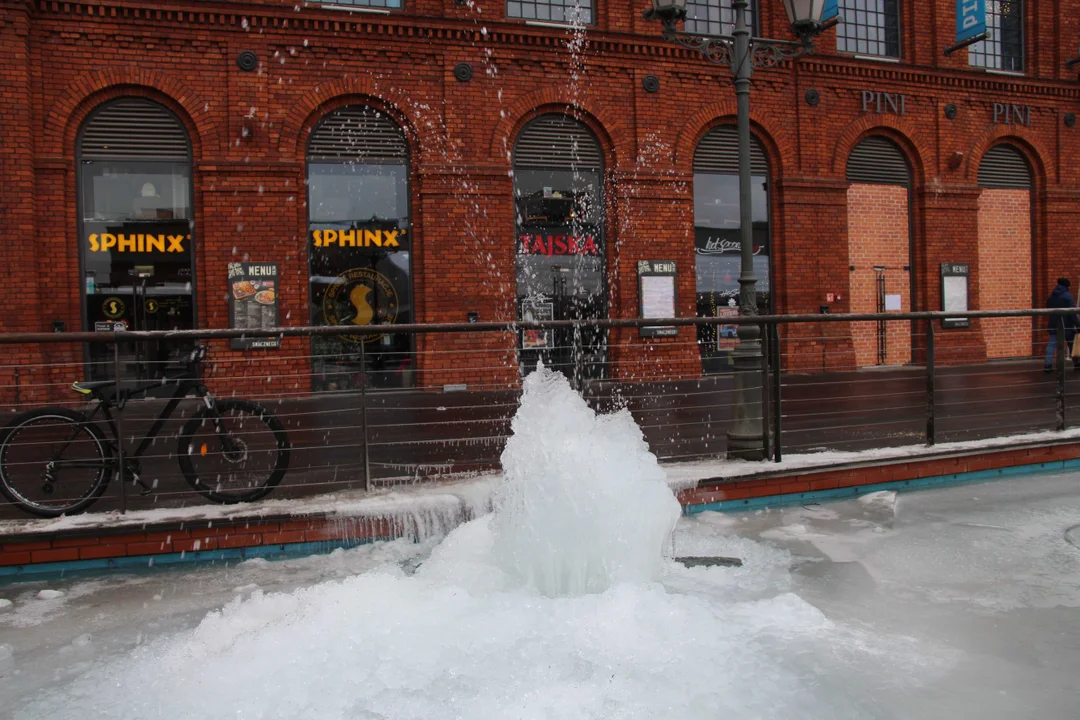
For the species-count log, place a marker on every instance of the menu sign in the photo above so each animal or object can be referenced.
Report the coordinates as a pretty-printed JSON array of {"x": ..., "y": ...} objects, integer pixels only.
[
  {"x": 253, "y": 302},
  {"x": 656, "y": 291}
]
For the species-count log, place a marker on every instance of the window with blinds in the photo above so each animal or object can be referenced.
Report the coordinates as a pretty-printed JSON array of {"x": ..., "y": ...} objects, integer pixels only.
[
  {"x": 878, "y": 161},
  {"x": 1003, "y": 166}
]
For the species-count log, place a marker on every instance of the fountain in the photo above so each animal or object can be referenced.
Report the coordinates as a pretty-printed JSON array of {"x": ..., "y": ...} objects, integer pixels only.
[{"x": 558, "y": 604}]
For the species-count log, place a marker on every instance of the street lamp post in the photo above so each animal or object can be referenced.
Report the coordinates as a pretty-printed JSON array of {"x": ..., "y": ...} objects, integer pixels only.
[{"x": 742, "y": 53}]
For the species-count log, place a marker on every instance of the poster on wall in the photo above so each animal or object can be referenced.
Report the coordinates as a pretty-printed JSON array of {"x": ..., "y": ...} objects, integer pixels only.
[
  {"x": 727, "y": 336},
  {"x": 656, "y": 293},
  {"x": 253, "y": 302},
  {"x": 954, "y": 293},
  {"x": 536, "y": 310}
]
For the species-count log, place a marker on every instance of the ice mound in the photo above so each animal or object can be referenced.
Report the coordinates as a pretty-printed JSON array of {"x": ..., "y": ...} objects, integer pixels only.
[{"x": 584, "y": 504}]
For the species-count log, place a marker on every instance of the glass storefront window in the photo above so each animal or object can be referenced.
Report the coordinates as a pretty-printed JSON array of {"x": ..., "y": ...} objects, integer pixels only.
[
  {"x": 718, "y": 258},
  {"x": 359, "y": 248},
  {"x": 136, "y": 233},
  {"x": 560, "y": 264},
  {"x": 135, "y": 191}
]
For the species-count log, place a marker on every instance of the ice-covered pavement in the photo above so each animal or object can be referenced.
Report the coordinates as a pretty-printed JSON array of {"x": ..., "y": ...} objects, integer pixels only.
[{"x": 954, "y": 603}]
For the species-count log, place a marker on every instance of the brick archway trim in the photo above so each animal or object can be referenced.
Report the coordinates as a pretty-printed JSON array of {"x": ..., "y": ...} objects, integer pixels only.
[
  {"x": 898, "y": 129},
  {"x": 329, "y": 96},
  {"x": 556, "y": 98},
  {"x": 1019, "y": 137},
  {"x": 771, "y": 136},
  {"x": 91, "y": 89}
]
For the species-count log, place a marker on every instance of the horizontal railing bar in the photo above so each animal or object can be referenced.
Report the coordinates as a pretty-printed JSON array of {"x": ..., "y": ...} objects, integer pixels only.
[{"x": 513, "y": 327}]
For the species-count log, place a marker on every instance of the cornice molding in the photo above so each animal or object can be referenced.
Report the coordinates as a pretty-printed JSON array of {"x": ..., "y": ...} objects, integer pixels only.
[{"x": 510, "y": 33}]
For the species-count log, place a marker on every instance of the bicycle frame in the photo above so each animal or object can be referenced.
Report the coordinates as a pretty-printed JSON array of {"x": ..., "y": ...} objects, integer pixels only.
[{"x": 185, "y": 384}]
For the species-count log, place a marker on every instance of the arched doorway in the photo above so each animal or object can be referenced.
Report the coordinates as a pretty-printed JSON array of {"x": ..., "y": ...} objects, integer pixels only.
[
  {"x": 1005, "y": 250},
  {"x": 136, "y": 231},
  {"x": 560, "y": 244},
  {"x": 717, "y": 245},
  {"x": 360, "y": 248},
  {"x": 879, "y": 249}
]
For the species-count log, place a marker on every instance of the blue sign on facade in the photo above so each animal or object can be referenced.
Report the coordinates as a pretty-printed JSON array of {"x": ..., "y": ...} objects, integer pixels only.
[
  {"x": 970, "y": 19},
  {"x": 832, "y": 9}
]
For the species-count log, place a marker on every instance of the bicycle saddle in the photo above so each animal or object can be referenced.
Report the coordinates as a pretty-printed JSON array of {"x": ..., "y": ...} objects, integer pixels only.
[{"x": 86, "y": 387}]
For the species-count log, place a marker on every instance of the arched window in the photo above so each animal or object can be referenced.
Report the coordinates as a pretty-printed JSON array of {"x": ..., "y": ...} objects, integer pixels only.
[
  {"x": 1005, "y": 251},
  {"x": 359, "y": 248},
  {"x": 717, "y": 242},
  {"x": 136, "y": 229},
  {"x": 559, "y": 208},
  {"x": 879, "y": 249}
]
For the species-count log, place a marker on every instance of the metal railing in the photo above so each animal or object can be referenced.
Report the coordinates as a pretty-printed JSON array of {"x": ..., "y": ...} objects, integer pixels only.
[{"x": 379, "y": 418}]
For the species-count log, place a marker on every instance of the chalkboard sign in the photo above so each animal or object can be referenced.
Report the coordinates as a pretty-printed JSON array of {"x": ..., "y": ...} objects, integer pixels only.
[
  {"x": 253, "y": 302},
  {"x": 656, "y": 290}
]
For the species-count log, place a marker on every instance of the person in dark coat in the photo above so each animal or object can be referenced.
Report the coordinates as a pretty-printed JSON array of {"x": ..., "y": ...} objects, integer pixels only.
[{"x": 1061, "y": 298}]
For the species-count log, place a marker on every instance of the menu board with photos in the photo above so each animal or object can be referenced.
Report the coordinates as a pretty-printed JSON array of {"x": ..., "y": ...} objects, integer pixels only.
[{"x": 253, "y": 302}]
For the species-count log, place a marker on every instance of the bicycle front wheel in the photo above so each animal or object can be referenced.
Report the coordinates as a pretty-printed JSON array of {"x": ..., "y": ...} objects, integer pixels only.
[
  {"x": 236, "y": 452},
  {"x": 53, "y": 462}
]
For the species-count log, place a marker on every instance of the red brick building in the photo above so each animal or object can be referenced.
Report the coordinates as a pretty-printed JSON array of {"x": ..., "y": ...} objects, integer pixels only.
[{"x": 424, "y": 160}]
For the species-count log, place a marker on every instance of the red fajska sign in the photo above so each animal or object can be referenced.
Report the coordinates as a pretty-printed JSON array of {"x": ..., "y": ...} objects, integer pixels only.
[{"x": 549, "y": 245}]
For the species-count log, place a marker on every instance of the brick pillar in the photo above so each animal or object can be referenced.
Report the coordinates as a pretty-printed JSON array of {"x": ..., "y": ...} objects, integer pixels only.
[
  {"x": 253, "y": 212},
  {"x": 1005, "y": 269},
  {"x": 462, "y": 262},
  {"x": 810, "y": 260},
  {"x": 949, "y": 233},
  {"x": 653, "y": 221},
  {"x": 19, "y": 253}
]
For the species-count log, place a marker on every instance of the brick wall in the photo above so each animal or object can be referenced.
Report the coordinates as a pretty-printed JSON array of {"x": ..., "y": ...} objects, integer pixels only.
[
  {"x": 878, "y": 236},
  {"x": 65, "y": 58},
  {"x": 1005, "y": 269}
]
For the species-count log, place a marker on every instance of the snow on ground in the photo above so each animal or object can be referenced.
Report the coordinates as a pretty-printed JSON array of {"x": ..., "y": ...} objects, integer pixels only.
[
  {"x": 687, "y": 474},
  {"x": 954, "y": 603}
]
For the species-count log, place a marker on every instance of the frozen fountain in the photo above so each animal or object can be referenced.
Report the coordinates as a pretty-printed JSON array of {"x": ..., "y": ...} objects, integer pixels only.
[
  {"x": 584, "y": 504},
  {"x": 559, "y": 604}
]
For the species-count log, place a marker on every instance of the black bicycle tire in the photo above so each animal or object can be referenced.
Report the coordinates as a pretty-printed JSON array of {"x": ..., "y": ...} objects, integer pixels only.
[
  {"x": 280, "y": 467},
  {"x": 96, "y": 489}
]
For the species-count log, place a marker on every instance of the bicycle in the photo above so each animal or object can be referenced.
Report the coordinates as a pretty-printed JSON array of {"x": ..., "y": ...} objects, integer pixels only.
[{"x": 55, "y": 461}]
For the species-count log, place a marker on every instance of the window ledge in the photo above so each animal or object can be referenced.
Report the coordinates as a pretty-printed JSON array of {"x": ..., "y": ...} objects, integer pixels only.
[
  {"x": 563, "y": 26},
  {"x": 354, "y": 9},
  {"x": 1009, "y": 73},
  {"x": 877, "y": 58}
]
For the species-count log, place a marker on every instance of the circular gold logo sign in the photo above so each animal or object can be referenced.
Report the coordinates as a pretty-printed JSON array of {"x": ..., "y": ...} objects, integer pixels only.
[
  {"x": 151, "y": 306},
  {"x": 113, "y": 308},
  {"x": 361, "y": 296}
]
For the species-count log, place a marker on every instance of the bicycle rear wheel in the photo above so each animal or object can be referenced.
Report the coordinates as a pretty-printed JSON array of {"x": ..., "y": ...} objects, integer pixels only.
[
  {"x": 53, "y": 462},
  {"x": 236, "y": 452}
]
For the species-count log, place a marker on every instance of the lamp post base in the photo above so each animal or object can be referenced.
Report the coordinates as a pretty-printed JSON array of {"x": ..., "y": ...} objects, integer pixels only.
[{"x": 744, "y": 440}]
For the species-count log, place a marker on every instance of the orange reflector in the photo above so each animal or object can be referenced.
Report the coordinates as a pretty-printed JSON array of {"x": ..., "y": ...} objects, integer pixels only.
[{"x": 202, "y": 450}]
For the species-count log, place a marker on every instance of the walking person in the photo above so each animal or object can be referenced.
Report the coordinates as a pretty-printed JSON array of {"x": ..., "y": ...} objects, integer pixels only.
[{"x": 1060, "y": 297}]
